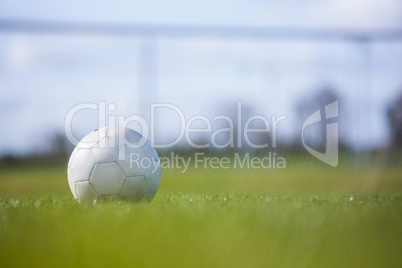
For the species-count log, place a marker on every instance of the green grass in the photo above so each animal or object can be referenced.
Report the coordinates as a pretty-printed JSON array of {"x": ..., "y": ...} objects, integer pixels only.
[{"x": 305, "y": 216}]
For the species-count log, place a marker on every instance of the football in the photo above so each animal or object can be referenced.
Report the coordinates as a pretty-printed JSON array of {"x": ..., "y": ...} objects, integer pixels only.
[{"x": 113, "y": 163}]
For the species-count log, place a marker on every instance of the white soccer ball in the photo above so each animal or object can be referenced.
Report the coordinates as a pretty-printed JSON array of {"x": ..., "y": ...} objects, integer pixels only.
[{"x": 113, "y": 162}]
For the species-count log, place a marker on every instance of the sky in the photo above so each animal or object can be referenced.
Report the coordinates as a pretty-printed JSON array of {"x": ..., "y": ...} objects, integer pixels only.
[{"x": 42, "y": 76}]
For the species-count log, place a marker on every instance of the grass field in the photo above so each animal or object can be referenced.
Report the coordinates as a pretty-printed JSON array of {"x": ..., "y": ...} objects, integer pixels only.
[{"x": 308, "y": 215}]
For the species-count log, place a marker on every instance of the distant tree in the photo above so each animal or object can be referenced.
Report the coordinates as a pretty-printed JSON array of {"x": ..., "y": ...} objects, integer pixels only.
[
  {"x": 56, "y": 151},
  {"x": 59, "y": 146},
  {"x": 394, "y": 115},
  {"x": 239, "y": 143},
  {"x": 308, "y": 105}
]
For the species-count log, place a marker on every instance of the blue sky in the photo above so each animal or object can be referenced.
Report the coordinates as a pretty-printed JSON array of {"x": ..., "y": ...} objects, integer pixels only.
[
  {"x": 43, "y": 75},
  {"x": 308, "y": 13}
]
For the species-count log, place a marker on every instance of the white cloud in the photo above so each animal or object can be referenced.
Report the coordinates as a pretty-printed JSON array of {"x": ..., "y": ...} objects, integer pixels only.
[
  {"x": 338, "y": 14},
  {"x": 18, "y": 54},
  {"x": 295, "y": 13}
]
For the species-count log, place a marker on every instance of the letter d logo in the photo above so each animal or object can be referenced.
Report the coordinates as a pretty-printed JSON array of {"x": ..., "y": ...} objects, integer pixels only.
[{"x": 331, "y": 149}]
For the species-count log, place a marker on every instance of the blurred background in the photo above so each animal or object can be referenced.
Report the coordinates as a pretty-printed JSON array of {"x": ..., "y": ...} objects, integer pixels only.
[{"x": 276, "y": 57}]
